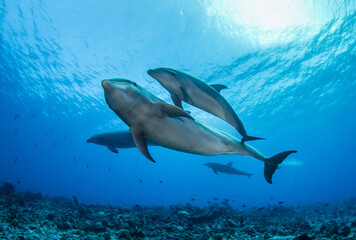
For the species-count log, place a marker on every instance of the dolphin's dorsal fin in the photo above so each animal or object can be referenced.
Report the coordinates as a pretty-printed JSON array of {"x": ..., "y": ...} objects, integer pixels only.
[
  {"x": 229, "y": 164},
  {"x": 218, "y": 87},
  {"x": 186, "y": 97},
  {"x": 140, "y": 141},
  {"x": 171, "y": 111},
  {"x": 114, "y": 150},
  {"x": 176, "y": 101}
]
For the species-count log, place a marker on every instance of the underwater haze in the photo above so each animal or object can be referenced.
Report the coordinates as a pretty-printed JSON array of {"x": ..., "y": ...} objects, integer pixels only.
[{"x": 289, "y": 66}]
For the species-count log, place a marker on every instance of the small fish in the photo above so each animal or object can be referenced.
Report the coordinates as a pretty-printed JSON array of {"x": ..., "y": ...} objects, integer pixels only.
[
  {"x": 18, "y": 182},
  {"x": 54, "y": 144},
  {"x": 74, "y": 159},
  {"x": 109, "y": 169},
  {"x": 243, "y": 206},
  {"x": 261, "y": 208},
  {"x": 140, "y": 180},
  {"x": 214, "y": 198},
  {"x": 280, "y": 203},
  {"x": 87, "y": 165},
  {"x": 326, "y": 204},
  {"x": 192, "y": 199},
  {"x": 15, "y": 160},
  {"x": 160, "y": 181},
  {"x": 16, "y": 116},
  {"x": 208, "y": 202}
]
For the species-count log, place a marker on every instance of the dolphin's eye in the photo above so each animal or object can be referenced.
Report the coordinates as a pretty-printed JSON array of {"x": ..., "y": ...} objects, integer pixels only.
[
  {"x": 134, "y": 84},
  {"x": 170, "y": 72}
]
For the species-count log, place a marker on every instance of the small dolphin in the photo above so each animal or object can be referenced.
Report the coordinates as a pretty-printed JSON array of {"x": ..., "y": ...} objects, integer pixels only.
[
  {"x": 193, "y": 91},
  {"x": 228, "y": 168},
  {"x": 149, "y": 118},
  {"x": 114, "y": 140}
]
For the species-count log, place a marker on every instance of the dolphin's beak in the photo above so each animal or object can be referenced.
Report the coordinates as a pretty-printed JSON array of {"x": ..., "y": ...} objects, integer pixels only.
[
  {"x": 151, "y": 72},
  {"x": 89, "y": 140},
  {"x": 106, "y": 85}
]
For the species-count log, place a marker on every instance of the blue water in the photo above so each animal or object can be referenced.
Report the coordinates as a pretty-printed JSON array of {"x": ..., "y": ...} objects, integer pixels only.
[{"x": 291, "y": 76}]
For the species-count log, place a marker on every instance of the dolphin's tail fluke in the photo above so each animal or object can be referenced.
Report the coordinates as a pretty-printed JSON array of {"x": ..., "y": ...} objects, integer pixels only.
[
  {"x": 250, "y": 138},
  {"x": 271, "y": 164}
]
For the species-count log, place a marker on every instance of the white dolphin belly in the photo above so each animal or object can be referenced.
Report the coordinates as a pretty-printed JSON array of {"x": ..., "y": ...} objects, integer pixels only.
[{"x": 190, "y": 136}]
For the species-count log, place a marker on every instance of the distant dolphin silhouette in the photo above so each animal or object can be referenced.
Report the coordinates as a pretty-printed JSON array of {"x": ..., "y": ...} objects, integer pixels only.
[
  {"x": 114, "y": 140},
  {"x": 193, "y": 91},
  {"x": 149, "y": 118},
  {"x": 226, "y": 168}
]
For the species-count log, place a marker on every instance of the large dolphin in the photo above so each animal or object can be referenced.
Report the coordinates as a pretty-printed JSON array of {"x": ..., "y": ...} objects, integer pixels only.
[
  {"x": 193, "y": 91},
  {"x": 114, "y": 140},
  {"x": 226, "y": 168},
  {"x": 149, "y": 118}
]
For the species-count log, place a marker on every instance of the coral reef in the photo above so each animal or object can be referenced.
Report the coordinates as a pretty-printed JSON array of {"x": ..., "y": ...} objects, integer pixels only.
[{"x": 28, "y": 215}]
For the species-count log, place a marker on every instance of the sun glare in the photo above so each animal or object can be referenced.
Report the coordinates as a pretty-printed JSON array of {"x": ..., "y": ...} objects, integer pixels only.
[{"x": 266, "y": 20}]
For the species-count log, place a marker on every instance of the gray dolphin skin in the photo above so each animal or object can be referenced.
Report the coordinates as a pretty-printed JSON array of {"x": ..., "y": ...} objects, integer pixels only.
[
  {"x": 149, "y": 118},
  {"x": 226, "y": 168},
  {"x": 184, "y": 87},
  {"x": 114, "y": 140}
]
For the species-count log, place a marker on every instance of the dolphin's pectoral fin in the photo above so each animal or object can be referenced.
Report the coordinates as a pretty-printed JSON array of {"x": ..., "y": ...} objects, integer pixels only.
[
  {"x": 218, "y": 87},
  {"x": 215, "y": 172},
  {"x": 186, "y": 97},
  {"x": 114, "y": 150},
  {"x": 177, "y": 101},
  {"x": 229, "y": 164},
  {"x": 172, "y": 111},
  {"x": 140, "y": 141}
]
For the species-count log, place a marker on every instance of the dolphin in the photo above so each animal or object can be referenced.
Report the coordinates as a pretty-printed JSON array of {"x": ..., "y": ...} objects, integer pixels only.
[
  {"x": 226, "y": 168},
  {"x": 114, "y": 140},
  {"x": 151, "y": 119},
  {"x": 193, "y": 91}
]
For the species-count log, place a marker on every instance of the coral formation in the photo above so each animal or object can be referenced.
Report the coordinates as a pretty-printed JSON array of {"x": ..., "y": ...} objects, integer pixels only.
[{"x": 28, "y": 215}]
